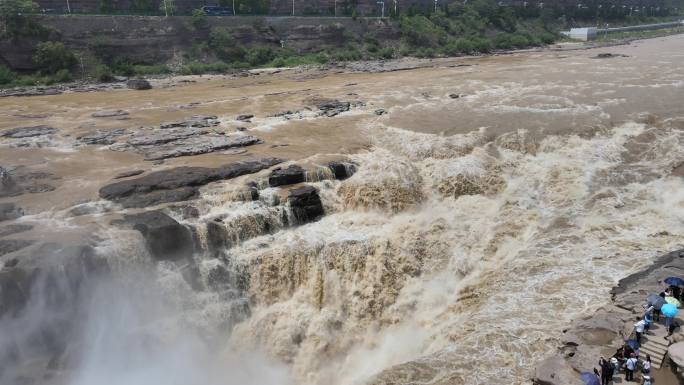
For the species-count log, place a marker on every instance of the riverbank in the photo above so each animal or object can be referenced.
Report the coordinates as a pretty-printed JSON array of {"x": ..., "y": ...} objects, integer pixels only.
[{"x": 600, "y": 334}]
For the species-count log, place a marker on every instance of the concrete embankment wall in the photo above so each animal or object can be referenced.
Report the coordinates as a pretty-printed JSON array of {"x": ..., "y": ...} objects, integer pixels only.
[
  {"x": 591, "y": 33},
  {"x": 154, "y": 39}
]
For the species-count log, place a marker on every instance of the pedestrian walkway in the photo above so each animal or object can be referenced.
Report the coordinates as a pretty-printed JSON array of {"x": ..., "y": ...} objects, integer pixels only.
[{"x": 654, "y": 343}]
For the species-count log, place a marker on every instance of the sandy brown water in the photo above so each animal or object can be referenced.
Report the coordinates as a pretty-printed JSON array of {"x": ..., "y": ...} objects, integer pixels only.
[{"x": 566, "y": 162}]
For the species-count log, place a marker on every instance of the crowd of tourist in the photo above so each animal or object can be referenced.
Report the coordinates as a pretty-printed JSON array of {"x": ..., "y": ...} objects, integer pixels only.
[{"x": 627, "y": 358}]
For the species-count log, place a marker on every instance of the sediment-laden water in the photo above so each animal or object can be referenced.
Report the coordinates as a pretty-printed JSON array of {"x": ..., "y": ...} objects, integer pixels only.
[{"x": 492, "y": 201}]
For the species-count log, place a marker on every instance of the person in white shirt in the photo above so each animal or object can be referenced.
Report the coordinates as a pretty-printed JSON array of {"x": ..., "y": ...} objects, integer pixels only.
[
  {"x": 639, "y": 329},
  {"x": 630, "y": 367},
  {"x": 646, "y": 365}
]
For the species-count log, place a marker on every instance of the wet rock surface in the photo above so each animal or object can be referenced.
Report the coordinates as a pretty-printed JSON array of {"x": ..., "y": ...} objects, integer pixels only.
[
  {"x": 10, "y": 211},
  {"x": 284, "y": 176},
  {"x": 196, "y": 145},
  {"x": 128, "y": 174},
  {"x": 14, "y": 229},
  {"x": 305, "y": 204},
  {"x": 8, "y": 186},
  {"x": 109, "y": 114},
  {"x": 166, "y": 239},
  {"x": 11, "y": 245},
  {"x": 198, "y": 121},
  {"x": 101, "y": 136},
  {"x": 138, "y": 84},
  {"x": 28, "y": 132},
  {"x": 176, "y": 184}
]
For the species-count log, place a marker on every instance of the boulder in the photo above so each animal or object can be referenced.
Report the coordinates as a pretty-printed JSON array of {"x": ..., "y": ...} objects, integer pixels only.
[
  {"x": 332, "y": 107},
  {"x": 676, "y": 352},
  {"x": 14, "y": 229},
  {"x": 11, "y": 245},
  {"x": 10, "y": 211},
  {"x": 556, "y": 371},
  {"x": 177, "y": 184},
  {"x": 197, "y": 145},
  {"x": 109, "y": 114},
  {"x": 166, "y": 239},
  {"x": 101, "y": 136},
  {"x": 8, "y": 186},
  {"x": 305, "y": 204},
  {"x": 342, "y": 170},
  {"x": 285, "y": 176},
  {"x": 28, "y": 132},
  {"x": 138, "y": 84},
  {"x": 244, "y": 117},
  {"x": 197, "y": 121}
]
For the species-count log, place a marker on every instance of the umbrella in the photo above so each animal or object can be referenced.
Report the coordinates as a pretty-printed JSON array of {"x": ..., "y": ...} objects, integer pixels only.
[
  {"x": 656, "y": 300},
  {"x": 669, "y": 310},
  {"x": 674, "y": 281},
  {"x": 590, "y": 379},
  {"x": 673, "y": 301},
  {"x": 634, "y": 344}
]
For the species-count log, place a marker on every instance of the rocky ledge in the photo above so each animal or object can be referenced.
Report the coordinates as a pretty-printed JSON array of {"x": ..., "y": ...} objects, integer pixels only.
[{"x": 604, "y": 331}]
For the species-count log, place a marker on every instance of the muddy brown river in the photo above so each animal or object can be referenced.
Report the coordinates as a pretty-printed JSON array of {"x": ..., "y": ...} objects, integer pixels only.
[{"x": 494, "y": 200}]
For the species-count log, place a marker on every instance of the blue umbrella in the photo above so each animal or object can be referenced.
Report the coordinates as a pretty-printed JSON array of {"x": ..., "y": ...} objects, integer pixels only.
[
  {"x": 669, "y": 310},
  {"x": 674, "y": 281},
  {"x": 634, "y": 344},
  {"x": 656, "y": 300},
  {"x": 590, "y": 379}
]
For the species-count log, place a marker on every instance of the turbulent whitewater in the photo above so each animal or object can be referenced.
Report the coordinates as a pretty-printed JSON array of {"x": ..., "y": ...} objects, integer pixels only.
[{"x": 487, "y": 205}]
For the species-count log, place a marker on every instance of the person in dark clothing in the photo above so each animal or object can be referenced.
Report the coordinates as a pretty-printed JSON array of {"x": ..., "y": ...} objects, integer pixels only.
[
  {"x": 606, "y": 371},
  {"x": 676, "y": 291},
  {"x": 656, "y": 311}
]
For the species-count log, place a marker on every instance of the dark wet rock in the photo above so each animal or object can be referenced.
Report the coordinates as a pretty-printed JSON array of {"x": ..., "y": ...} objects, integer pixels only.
[
  {"x": 138, "y": 84},
  {"x": 380, "y": 111},
  {"x": 241, "y": 129},
  {"x": 244, "y": 117},
  {"x": 12, "y": 262},
  {"x": 454, "y": 96},
  {"x": 197, "y": 145},
  {"x": 11, "y": 245},
  {"x": 39, "y": 188},
  {"x": 10, "y": 211},
  {"x": 166, "y": 239},
  {"x": 305, "y": 204},
  {"x": 128, "y": 174},
  {"x": 109, "y": 114},
  {"x": 154, "y": 198},
  {"x": 101, "y": 136},
  {"x": 332, "y": 107},
  {"x": 342, "y": 170},
  {"x": 157, "y": 137},
  {"x": 285, "y": 176},
  {"x": 28, "y": 132},
  {"x": 14, "y": 229},
  {"x": 197, "y": 121},
  {"x": 177, "y": 184},
  {"x": 608, "y": 55},
  {"x": 32, "y": 92},
  {"x": 8, "y": 186}
]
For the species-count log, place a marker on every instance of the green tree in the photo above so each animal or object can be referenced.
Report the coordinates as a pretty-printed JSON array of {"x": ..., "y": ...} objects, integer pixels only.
[
  {"x": 15, "y": 20},
  {"x": 199, "y": 19},
  {"x": 52, "y": 57}
]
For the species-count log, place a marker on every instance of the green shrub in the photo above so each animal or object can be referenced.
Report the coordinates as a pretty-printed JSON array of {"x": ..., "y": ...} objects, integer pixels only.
[
  {"x": 503, "y": 41},
  {"x": 259, "y": 56},
  {"x": 482, "y": 45},
  {"x": 547, "y": 37},
  {"x": 419, "y": 31},
  {"x": 103, "y": 73},
  {"x": 386, "y": 53},
  {"x": 199, "y": 19},
  {"x": 196, "y": 68},
  {"x": 519, "y": 41},
  {"x": 51, "y": 57},
  {"x": 62, "y": 76},
  {"x": 222, "y": 44},
  {"x": 6, "y": 75},
  {"x": 459, "y": 47}
]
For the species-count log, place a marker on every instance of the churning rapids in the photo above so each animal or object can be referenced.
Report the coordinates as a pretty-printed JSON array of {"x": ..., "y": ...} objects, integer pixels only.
[{"x": 492, "y": 201}]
